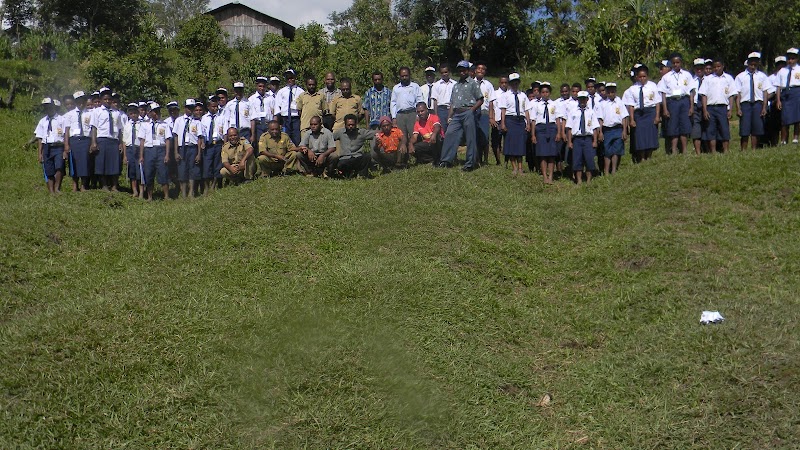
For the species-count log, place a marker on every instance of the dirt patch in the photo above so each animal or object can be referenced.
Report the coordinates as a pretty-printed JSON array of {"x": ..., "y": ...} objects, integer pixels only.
[
  {"x": 510, "y": 389},
  {"x": 635, "y": 264}
]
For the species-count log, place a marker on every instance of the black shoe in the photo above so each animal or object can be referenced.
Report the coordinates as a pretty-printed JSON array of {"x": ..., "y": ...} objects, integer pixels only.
[{"x": 444, "y": 165}]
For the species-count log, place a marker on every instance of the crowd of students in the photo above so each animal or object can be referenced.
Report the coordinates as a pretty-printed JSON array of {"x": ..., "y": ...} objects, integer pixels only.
[{"x": 290, "y": 130}]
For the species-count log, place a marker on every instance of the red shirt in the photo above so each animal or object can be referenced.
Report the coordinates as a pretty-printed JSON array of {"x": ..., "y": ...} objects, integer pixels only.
[
  {"x": 390, "y": 143},
  {"x": 426, "y": 130}
]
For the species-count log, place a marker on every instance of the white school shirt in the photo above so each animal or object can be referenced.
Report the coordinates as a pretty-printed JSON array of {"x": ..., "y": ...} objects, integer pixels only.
[
  {"x": 170, "y": 123},
  {"x": 487, "y": 90},
  {"x": 76, "y": 119},
  {"x": 50, "y": 130},
  {"x": 154, "y": 133},
  {"x": 590, "y": 121},
  {"x": 261, "y": 107},
  {"x": 597, "y": 100},
  {"x": 427, "y": 94},
  {"x": 507, "y": 103},
  {"x": 127, "y": 132},
  {"x": 218, "y": 133},
  {"x": 612, "y": 113},
  {"x": 189, "y": 126},
  {"x": 718, "y": 89},
  {"x": 676, "y": 84},
  {"x": 536, "y": 111},
  {"x": 760, "y": 82},
  {"x": 241, "y": 107},
  {"x": 651, "y": 95},
  {"x": 495, "y": 101},
  {"x": 282, "y": 105},
  {"x": 794, "y": 79},
  {"x": 442, "y": 92},
  {"x": 100, "y": 121}
]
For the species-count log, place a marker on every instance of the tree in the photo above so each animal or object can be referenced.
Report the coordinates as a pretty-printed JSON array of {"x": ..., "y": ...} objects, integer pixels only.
[
  {"x": 87, "y": 17},
  {"x": 170, "y": 15},
  {"x": 201, "y": 43},
  {"x": 17, "y": 13}
]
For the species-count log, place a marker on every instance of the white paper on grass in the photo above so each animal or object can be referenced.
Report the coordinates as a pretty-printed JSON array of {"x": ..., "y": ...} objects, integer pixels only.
[{"x": 711, "y": 317}]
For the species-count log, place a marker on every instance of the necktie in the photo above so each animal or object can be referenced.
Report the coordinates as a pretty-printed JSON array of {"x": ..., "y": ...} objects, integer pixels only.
[
  {"x": 211, "y": 128},
  {"x": 110, "y": 123},
  {"x": 49, "y": 129},
  {"x": 752, "y": 89},
  {"x": 237, "y": 114},
  {"x": 133, "y": 134},
  {"x": 261, "y": 99},
  {"x": 641, "y": 97},
  {"x": 154, "y": 133},
  {"x": 789, "y": 77},
  {"x": 430, "y": 93},
  {"x": 516, "y": 103},
  {"x": 593, "y": 102},
  {"x": 582, "y": 129},
  {"x": 186, "y": 130},
  {"x": 80, "y": 121},
  {"x": 289, "y": 108},
  {"x": 546, "y": 114}
]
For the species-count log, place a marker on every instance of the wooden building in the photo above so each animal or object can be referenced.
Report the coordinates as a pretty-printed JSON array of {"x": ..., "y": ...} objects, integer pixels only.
[{"x": 242, "y": 21}]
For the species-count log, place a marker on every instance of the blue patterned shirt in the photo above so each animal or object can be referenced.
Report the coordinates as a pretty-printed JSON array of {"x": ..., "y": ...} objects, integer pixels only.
[{"x": 377, "y": 103}]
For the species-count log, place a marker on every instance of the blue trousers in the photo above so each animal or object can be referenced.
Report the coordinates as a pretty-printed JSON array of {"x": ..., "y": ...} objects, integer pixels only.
[
  {"x": 291, "y": 124},
  {"x": 442, "y": 112},
  {"x": 463, "y": 123}
]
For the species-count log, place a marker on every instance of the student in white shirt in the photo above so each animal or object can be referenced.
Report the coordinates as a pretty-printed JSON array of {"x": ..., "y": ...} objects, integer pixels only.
[
  {"x": 286, "y": 106},
  {"x": 613, "y": 117},
  {"x": 494, "y": 117},
  {"x": 773, "y": 121},
  {"x": 482, "y": 125},
  {"x": 262, "y": 104},
  {"x": 154, "y": 139},
  {"x": 442, "y": 91},
  {"x": 106, "y": 142},
  {"x": 582, "y": 133},
  {"x": 677, "y": 103},
  {"x": 76, "y": 142},
  {"x": 717, "y": 94},
  {"x": 130, "y": 139},
  {"x": 50, "y": 135},
  {"x": 753, "y": 86},
  {"x": 789, "y": 96},
  {"x": 213, "y": 129},
  {"x": 642, "y": 100},
  {"x": 544, "y": 131},
  {"x": 514, "y": 121}
]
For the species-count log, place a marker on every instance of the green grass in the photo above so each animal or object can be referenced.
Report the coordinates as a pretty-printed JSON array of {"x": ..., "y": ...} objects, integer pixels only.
[{"x": 423, "y": 309}]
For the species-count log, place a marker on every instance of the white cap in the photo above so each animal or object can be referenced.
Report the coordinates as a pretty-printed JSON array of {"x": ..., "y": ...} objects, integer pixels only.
[
  {"x": 513, "y": 76},
  {"x": 56, "y": 102},
  {"x": 792, "y": 51},
  {"x": 754, "y": 55},
  {"x": 133, "y": 105},
  {"x": 172, "y": 104},
  {"x": 238, "y": 84},
  {"x": 666, "y": 63},
  {"x": 611, "y": 84},
  {"x": 274, "y": 78},
  {"x": 708, "y": 61},
  {"x": 583, "y": 94},
  {"x": 291, "y": 71},
  {"x": 780, "y": 59},
  {"x": 189, "y": 102},
  {"x": 78, "y": 94},
  {"x": 142, "y": 104},
  {"x": 154, "y": 105},
  {"x": 430, "y": 69},
  {"x": 47, "y": 101},
  {"x": 545, "y": 83},
  {"x": 745, "y": 62},
  {"x": 262, "y": 79},
  {"x": 104, "y": 89},
  {"x": 220, "y": 89},
  {"x": 699, "y": 62}
]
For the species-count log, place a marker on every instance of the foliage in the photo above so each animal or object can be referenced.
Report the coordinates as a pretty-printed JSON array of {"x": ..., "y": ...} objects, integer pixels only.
[
  {"x": 17, "y": 13},
  {"x": 87, "y": 17},
  {"x": 201, "y": 44},
  {"x": 140, "y": 73},
  {"x": 270, "y": 57},
  {"x": 170, "y": 15}
]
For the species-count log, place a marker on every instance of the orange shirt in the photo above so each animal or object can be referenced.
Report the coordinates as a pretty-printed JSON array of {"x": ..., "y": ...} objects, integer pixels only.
[
  {"x": 389, "y": 143},
  {"x": 426, "y": 130}
]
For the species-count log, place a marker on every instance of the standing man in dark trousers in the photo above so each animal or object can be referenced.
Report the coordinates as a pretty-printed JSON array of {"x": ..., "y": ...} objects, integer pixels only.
[
  {"x": 286, "y": 106},
  {"x": 261, "y": 106},
  {"x": 466, "y": 98},
  {"x": 331, "y": 92}
]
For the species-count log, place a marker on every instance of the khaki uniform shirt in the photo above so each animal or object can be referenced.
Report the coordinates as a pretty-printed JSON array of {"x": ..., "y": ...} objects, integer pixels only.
[
  {"x": 279, "y": 147},
  {"x": 310, "y": 105},
  {"x": 234, "y": 155},
  {"x": 341, "y": 107}
]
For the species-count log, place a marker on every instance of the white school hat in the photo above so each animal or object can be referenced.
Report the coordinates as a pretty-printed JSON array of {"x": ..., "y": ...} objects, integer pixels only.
[
  {"x": 699, "y": 62},
  {"x": 104, "y": 89},
  {"x": 133, "y": 105},
  {"x": 141, "y": 104},
  {"x": 780, "y": 59},
  {"x": 154, "y": 106},
  {"x": 220, "y": 90},
  {"x": 172, "y": 104},
  {"x": 78, "y": 94},
  {"x": 754, "y": 55},
  {"x": 274, "y": 79},
  {"x": 512, "y": 77},
  {"x": 47, "y": 101},
  {"x": 583, "y": 94},
  {"x": 238, "y": 85},
  {"x": 611, "y": 85},
  {"x": 708, "y": 61},
  {"x": 261, "y": 79},
  {"x": 430, "y": 69},
  {"x": 189, "y": 102},
  {"x": 792, "y": 51},
  {"x": 545, "y": 83},
  {"x": 56, "y": 102},
  {"x": 289, "y": 71}
]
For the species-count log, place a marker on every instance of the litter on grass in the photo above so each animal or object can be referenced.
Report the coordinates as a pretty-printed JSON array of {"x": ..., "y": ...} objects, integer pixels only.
[{"x": 711, "y": 317}]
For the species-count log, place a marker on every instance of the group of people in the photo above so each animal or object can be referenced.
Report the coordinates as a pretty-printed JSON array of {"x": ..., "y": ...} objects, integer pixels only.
[{"x": 289, "y": 129}]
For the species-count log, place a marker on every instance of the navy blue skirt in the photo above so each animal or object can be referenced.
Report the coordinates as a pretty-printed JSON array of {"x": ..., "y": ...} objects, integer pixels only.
[
  {"x": 546, "y": 140},
  {"x": 751, "y": 122},
  {"x": 108, "y": 161},
  {"x": 79, "y": 156},
  {"x": 790, "y": 104},
  {"x": 646, "y": 130},
  {"x": 515, "y": 137}
]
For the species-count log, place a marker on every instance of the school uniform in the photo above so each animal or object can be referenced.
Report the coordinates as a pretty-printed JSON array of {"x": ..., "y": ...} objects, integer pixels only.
[
  {"x": 482, "y": 115},
  {"x": 514, "y": 104},
  {"x": 644, "y": 100},
  {"x": 543, "y": 115},
  {"x": 130, "y": 138},
  {"x": 286, "y": 108},
  {"x": 51, "y": 131},
  {"x": 261, "y": 107},
  {"x": 789, "y": 85},
  {"x": 76, "y": 122},
  {"x": 155, "y": 135},
  {"x": 612, "y": 113},
  {"x": 582, "y": 123},
  {"x": 186, "y": 134},
  {"x": 751, "y": 88},
  {"x": 677, "y": 87},
  {"x": 562, "y": 111},
  {"x": 213, "y": 131},
  {"x": 239, "y": 113},
  {"x": 497, "y": 135},
  {"x": 108, "y": 123},
  {"x": 427, "y": 95},
  {"x": 442, "y": 91},
  {"x": 718, "y": 91},
  {"x": 772, "y": 125},
  {"x": 698, "y": 125}
]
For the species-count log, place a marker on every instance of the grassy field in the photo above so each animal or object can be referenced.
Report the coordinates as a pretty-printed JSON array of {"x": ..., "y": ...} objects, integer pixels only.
[{"x": 422, "y": 309}]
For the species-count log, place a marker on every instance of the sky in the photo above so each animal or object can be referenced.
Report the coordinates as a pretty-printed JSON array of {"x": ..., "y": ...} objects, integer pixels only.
[{"x": 293, "y": 12}]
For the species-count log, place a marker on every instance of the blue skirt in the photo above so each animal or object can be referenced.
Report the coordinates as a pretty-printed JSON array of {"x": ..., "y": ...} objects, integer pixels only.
[
  {"x": 646, "y": 131},
  {"x": 790, "y": 104},
  {"x": 53, "y": 156},
  {"x": 546, "y": 140},
  {"x": 751, "y": 123},
  {"x": 615, "y": 146},
  {"x": 79, "y": 156},
  {"x": 515, "y": 137},
  {"x": 212, "y": 161},
  {"x": 132, "y": 153},
  {"x": 108, "y": 160},
  {"x": 187, "y": 169}
]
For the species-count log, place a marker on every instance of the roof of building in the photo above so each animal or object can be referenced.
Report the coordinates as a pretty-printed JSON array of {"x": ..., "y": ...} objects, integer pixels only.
[{"x": 288, "y": 30}]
